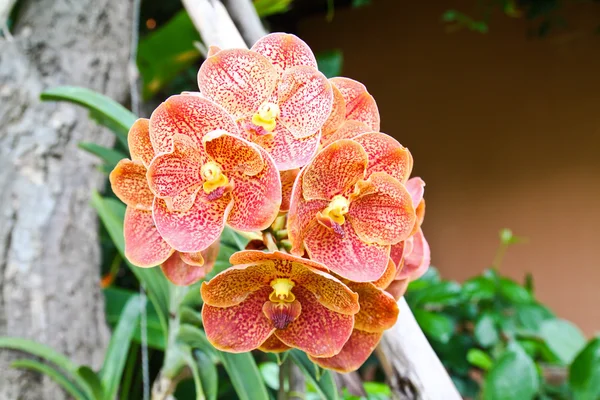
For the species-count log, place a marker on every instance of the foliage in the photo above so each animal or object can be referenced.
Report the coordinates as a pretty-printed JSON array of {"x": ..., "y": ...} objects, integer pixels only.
[{"x": 498, "y": 342}]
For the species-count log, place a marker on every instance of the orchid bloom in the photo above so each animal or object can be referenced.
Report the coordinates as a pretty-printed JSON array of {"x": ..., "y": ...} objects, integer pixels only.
[
  {"x": 354, "y": 111},
  {"x": 275, "y": 301},
  {"x": 206, "y": 175},
  {"x": 275, "y": 93},
  {"x": 144, "y": 246},
  {"x": 378, "y": 312},
  {"x": 349, "y": 205}
]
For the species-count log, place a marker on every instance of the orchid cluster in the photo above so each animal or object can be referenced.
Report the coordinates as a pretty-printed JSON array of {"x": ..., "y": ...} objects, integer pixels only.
[{"x": 272, "y": 148}]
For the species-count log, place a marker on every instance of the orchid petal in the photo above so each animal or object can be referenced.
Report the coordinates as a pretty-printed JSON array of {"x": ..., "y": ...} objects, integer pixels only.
[
  {"x": 378, "y": 309},
  {"x": 139, "y": 143},
  {"x": 388, "y": 276},
  {"x": 144, "y": 247},
  {"x": 180, "y": 273},
  {"x": 418, "y": 260},
  {"x": 287, "y": 184},
  {"x": 233, "y": 153},
  {"x": 285, "y": 51},
  {"x": 360, "y": 105},
  {"x": 128, "y": 182},
  {"x": 337, "y": 116},
  {"x": 273, "y": 345},
  {"x": 386, "y": 155},
  {"x": 354, "y": 353}
]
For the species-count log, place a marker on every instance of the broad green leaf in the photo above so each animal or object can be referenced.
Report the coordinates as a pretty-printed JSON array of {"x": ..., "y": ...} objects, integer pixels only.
[
  {"x": 485, "y": 331},
  {"x": 190, "y": 316},
  {"x": 196, "y": 338},
  {"x": 439, "y": 294},
  {"x": 156, "y": 284},
  {"x": 270, "y": 374},
  {"x": 330, "y": 62},
  {"x": 531, "y": 316},
  {"x": 166, "y": 52},
  {"x": 514, "y": 293},
  {"x": 93, "y": 382},
  {"x": 53, "y": 374},
  {"x": 480, "y": 359},
  {"x": 104, "y": 109},
  {"x": 479, "y": 288},
  {"x": 324, "y": 384},
  {"x": 111, "y": 157},
  {"x": 563, "y": 339},
  {"x": 244, "y": 376},
  {"x": 436, "y": 326},
  {"x": 115, "y": 300},
  {"x": 264, "y": 8},
  {"x": 513, "y": 376},
  {"x": 118, "y": 347},
  {"x": 584, "y": 373},
  {"x": 207, "y": 372}
]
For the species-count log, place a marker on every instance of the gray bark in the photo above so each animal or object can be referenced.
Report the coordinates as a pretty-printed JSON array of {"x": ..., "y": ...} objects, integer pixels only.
[{"x": 49, "y": 254}]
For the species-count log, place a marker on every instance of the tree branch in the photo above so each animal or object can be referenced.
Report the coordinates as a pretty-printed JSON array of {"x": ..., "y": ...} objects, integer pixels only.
[
  {"x": 247, "y": 20},
  {"x": 214, "y": 24}
]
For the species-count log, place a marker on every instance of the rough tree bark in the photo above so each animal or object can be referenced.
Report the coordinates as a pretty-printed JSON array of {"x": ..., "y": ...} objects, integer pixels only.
[{"x": 49, "y": 255}]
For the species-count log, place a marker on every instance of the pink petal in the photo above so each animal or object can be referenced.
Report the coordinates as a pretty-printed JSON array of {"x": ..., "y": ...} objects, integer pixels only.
[
  {"x": 338, "y": 113},
  {"x": 233, "y": 153},
  {"x": 418, "y": 260},
  {"x": 196, "y": 229},
  {"x": 305, "y": 100},
  {"x": 386, "y": 155},
  {"x": 138, "y": 139},
  {"x": 144, "y": 247},
  {"x": 188, "y": 115},
  {"x": 239, "y": 80},
  {"x": 180, "y": 273},
  {"x": 285, "y": 51},
  {"x": 287, "y": 184},
  {"x": 128, "y": 182},
  {"x": 346, "y": 255},
  {"x": 360, "y": 105},
  {"x": 354, "y": 353},
  {"x": 348, "y": 130}
]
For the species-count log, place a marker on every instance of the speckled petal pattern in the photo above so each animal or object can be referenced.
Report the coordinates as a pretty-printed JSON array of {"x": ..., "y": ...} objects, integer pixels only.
[
  {"x": 378, "y": 309},
  {"x": 233, "y": 153},
  {"x": 273, "y": 345},
  {"x": 287, "y": 184},
  {"x": 337, "y": 116},
  {"x": 180, "y": 273},
  {"x": 354, "y": 353},
  {"x": 386, "y": 155},
  {"x": 144, "y": 247},
  {"x": 360, "y": 105},
  {"x": 348, "y": 130},
  {"x": 138, "y": 139},
  {"x": 285, "y": 51},
  {"x": 128, "y": 182},
  {"x": 237, "y": 79}
]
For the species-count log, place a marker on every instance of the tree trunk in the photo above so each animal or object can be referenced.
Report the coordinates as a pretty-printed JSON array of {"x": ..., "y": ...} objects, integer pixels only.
[{"x": 49, "y": 253}]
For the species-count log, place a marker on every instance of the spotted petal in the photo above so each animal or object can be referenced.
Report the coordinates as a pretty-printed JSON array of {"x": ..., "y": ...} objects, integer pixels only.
[
  {"x": 175, "y": 176},
  {"x": 196, "y": 229},
  {"x": 397, "y": 288},
  {"x": 128, "y": 182},
  {"x": 354, "y": 353},
  {"x": 233, "y": 153},
  {"x": 416, "y": 188},
  {"x": 287, "y": 184},
  {"x": 378, "y": 309},
  {"x": 334, "y": 170},
  {"x": 360, "y": 105},
  {"x": 180, "y": 273},
  {"x": 337, "y": 116},
  {"x": 348, "y": 130},
  {"x": 388, "y": 276},
  {"x": 305, "y": 99},
  {"x": 386, "y": 155},
  {"x": 239, "y": 328},
  {"x": 418, "y": 259},
  {"x": 317, "y": 331},
  {"x": 347, "y": 255},
  {"x": 256, "y": 198},
  {"x": 138, "y": 139},
  {"x": 144, "y": 247},
  {"x": 273, "y": 345},
  {"x": 285, "y": 51},
  {"x": 287, "y": 151},
  {"x": 382, "y": 212},
  {"x": 239, "y": 80}
]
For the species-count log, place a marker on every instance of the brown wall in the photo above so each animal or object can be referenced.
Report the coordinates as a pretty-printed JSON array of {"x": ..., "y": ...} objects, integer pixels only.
[{"x": 505, "y": 130}]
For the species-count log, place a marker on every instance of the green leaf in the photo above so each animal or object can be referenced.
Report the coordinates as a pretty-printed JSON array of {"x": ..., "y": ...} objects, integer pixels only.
[
  {"x": 442, "y": 293},
  {"x": 377, "y": 390},
  {"x": 207, "y": 372},
  {"x": 118, "y": 347},
  {"x": 93, "y": 382},
  {"x": 53, "y": 374},
  {"x": 325, "y": 384},
  {"x": 513, "y": 376},
  {"x": 436, "y": 326},
  {"x": 264, "y": 8},
  {"x": 244, "y": 376},
  {"x": 111, "y": 157},
  {"x": 531, "y": 316},
  {"x": 270, "y": 374},
  {"x": 480, "y": 359},
  {"x": 166, "y": 52},
  {"x": 584, "y": 373},
  {"x": 47, "y": 354},
  {"x": 485, "y": 331},
  {"x": 115, "y": 300},
  {"x": 563, "y": 339},
  {"x": 360, "y": 3},
  {"x": 479, "y": 288},
  {"x": 514, "y": 293},
  {"x": 196, "y": 338},
  {"x": 188, "y": 315},
  {"x": 156, "y": 284},
  {"x": 330, "y": 62},
  {"x": 104, "y": 109}
]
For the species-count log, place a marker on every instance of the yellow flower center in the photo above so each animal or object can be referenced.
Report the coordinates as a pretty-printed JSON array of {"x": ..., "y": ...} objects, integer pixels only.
[
  {"x": 337, "y": 208},
  {"x": 213, "y": 177},
  {"x": 282, "y": 291},
  {"x": 266, "y": 116}
]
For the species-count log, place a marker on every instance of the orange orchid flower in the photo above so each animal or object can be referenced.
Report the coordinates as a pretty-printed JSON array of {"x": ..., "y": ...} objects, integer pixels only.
[
  {"x": 205, "y": 175},
  {"x": 275, "y": 93},
  {"x": 349, "y": 205},
  {"x": 144, "y": 246},
  {"x": 274, "y": 301}
]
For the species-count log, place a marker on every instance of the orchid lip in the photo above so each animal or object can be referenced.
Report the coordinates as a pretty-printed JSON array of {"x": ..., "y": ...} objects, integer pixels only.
[
  {"x": 337, "y": 209},
  {"x": 213, "y": 177},
  {"x": 266, "y": 116}
]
